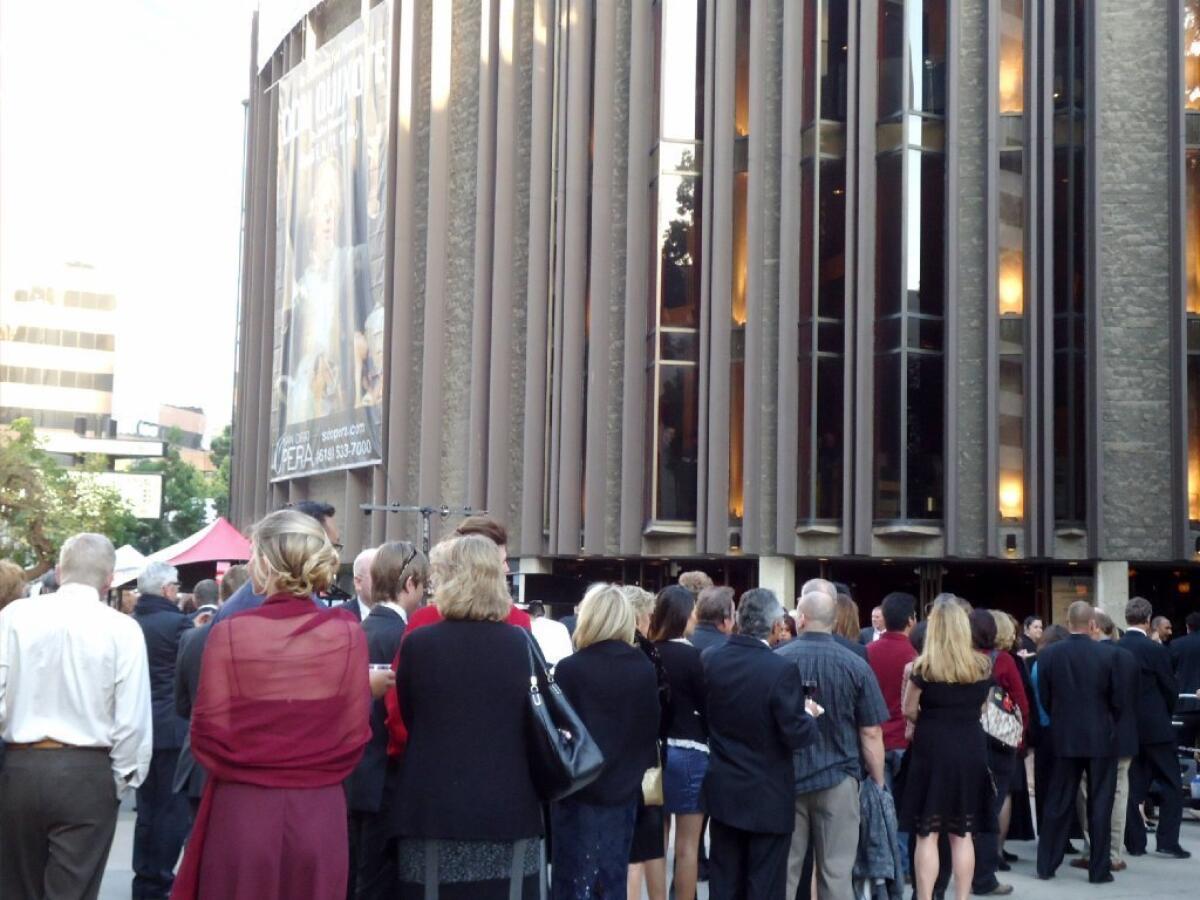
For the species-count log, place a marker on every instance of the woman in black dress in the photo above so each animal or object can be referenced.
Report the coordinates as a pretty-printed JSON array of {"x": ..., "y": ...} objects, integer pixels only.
[{"x": 948, "y": 788}]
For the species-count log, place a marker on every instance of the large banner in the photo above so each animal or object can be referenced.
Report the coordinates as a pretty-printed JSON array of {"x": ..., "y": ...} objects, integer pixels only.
[{"x": 327, "y": 389}]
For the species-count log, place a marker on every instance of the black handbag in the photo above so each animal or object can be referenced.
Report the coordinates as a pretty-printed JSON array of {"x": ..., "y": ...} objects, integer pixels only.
[{"x": 564, "y": 757}]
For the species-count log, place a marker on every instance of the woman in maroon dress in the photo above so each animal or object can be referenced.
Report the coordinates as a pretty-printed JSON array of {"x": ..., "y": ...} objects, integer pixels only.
[{"x": 280, "y": 720}]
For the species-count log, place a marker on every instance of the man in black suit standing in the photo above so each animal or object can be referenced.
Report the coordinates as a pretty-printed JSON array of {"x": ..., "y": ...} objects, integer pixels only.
[
  {"x": 1185, "y": 661},
  {"x": 875, "y": 630},
  {"x": 757, "y": 719},
  {"x": 714, "y": 617},
  {"x": 1079, "y": 689},
  {"x": 1156, "y": 761},
  {"x": 162, "y": 816},
  {"x": 396, "y": 581}
]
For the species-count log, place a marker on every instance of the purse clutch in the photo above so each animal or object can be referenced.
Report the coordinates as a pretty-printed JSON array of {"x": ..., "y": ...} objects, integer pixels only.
[
  {"x": 564, "y": 757},
  {"x": 652, "y": 786}
]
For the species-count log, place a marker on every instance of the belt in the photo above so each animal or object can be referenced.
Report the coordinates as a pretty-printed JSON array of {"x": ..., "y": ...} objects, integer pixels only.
[{"x": 52, "y": 745}]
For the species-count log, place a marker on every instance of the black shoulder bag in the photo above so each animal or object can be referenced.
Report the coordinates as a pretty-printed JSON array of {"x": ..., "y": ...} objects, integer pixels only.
[{"x": 564, "y": 757}]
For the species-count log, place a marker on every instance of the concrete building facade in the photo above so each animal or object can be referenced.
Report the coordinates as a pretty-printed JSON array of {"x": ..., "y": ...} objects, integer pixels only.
[{"x": 903, "y": 292}]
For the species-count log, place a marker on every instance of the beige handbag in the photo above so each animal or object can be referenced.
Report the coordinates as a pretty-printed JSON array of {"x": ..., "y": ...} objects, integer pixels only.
[{"x": 652, "y": 785}]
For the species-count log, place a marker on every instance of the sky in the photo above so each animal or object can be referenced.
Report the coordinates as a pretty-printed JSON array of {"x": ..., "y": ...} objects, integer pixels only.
[{"x": 121, "y": 145}]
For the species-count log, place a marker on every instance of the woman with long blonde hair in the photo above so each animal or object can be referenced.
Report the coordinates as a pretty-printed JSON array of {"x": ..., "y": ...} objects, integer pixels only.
[{"x": 948, "y": 787}]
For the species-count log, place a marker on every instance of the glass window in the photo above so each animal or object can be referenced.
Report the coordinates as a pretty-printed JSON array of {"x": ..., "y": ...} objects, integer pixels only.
[
  {"x": 822, "y": 300},
  {"x": 678, "y": 388},
  {"x": 1191, "y": 101},
  {"x": 910, "y": 268},
  {"x": 676, "y": 192}
]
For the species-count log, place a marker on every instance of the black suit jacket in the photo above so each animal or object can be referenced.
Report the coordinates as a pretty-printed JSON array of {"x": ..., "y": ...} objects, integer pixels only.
[
  {"x": 1126, "y": 725},
  {"x": 1078, "y": 686},
  {"x": 614, "y": 689},
  {"x": 464, "y": 695},
  {"x": 368, "y": 783},
  {"x": 867, "y": 635},
  {"x": 189, "y": 776},
  {"x": 162, "y": 623},
  {"x": 705, "y": 636},
  {"x": 859, "y": 649},
  {"x": 354, "y": 605},
  {"x": 756, "y": 721},
  {"x": 1157, "y": 689},
  {"x": 1185, "y": 660}
]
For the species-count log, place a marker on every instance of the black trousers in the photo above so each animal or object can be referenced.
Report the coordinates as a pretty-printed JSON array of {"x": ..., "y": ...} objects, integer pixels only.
[
  {"x": 1055, "y": 830},
  {"x": 373, "y": 871},
  {"x": 1003, "y": 762},
  {"x": 1154, "y": 764},
  {"x": 746, "y": 865},
  {"x": 163, "y": 822},
  {"x": 58, "y": 814}
]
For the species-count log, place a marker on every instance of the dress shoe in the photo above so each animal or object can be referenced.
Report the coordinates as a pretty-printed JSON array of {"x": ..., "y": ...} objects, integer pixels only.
[
  {"x": 1000, "y": 890},
  {"x": 1009, "y": 857},
  {"x": 1135, "y": 852},
  {"x": 1003, "y": 866},
  {"x": 1103, "y": 879},
  {"x": 1173, "y": 853},
  {"x": 1080, "y": 862},
  {"x": 1119, "y": 866},
  {"x": 1070, "y": 851}
]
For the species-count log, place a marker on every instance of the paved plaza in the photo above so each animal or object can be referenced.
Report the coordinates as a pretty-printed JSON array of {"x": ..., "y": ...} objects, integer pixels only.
[{"x": 1147, "y": 877}]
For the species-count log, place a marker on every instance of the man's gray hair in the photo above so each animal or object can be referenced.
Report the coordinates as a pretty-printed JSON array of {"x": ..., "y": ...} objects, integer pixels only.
[
  {"x": 362, "y": 562},
  {"x": 823, "y": 585},
  {"x": 206, "y": 592},
  {"x": 819, "y": 610},
  {"x": 758, "y": 612},
  {"x": 155, "y": 576},
  {"x": 87, "y": 559}
]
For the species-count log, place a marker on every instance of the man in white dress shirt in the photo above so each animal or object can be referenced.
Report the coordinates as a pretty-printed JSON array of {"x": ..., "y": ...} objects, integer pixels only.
[
  {"x": 75, "y": 714},
  {"x": 552, "y": 637}
]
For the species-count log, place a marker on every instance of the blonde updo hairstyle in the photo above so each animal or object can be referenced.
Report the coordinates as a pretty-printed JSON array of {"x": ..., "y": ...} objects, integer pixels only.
[
  {"x": 641, "y": 601},
  {"x": 468, "y": 579},
  {"x": 292, "y": 553}
]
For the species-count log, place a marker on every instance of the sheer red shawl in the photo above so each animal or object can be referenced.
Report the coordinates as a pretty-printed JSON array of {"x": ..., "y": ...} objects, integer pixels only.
[{"x": 284, "y": 701}]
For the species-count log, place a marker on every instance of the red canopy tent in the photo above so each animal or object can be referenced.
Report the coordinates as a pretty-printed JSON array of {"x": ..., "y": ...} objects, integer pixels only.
[{"x": 210, "y": 547}]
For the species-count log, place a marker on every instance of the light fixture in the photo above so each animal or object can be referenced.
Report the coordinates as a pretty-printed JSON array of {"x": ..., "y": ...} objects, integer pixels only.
[{"x": 1012, "y": 497}]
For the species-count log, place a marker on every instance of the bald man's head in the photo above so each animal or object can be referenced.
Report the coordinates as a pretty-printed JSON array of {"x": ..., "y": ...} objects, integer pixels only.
[
  {"x": 1080, "y": 616},
  {"x": 819, "y": 611},
  {"x": 820, "y": 585},
  {"x": 362, "y": 575}
]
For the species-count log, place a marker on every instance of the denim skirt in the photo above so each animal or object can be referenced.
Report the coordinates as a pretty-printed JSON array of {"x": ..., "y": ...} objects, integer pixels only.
[{"x": 683, "y": 774}]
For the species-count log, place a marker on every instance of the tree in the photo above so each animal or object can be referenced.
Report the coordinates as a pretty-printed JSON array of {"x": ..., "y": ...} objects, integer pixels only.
[
  {"x": 186, "y": 493},
  {"x": 222, "y": 457},
  {"x": 41, "y": 505}
]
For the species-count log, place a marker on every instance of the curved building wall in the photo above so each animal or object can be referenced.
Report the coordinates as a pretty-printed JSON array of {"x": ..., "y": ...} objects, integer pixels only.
[{"x": 763, "y": 278}]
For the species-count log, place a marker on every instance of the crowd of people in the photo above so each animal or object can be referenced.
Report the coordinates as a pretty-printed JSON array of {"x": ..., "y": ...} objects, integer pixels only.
[{"x": 283, "y": 747}]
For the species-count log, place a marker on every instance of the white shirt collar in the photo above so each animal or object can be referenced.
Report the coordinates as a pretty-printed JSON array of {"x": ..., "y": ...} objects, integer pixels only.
[
  {"x": 74, "y": 591},
  {"x": 394, "y": 607}
]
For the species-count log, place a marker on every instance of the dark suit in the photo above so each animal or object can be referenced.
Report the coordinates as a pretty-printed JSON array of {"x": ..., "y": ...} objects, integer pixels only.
[
  {"x": 756, "y": 721},
  {"x": 867, "y": 635},
  {"x": 189, "y": 776},
  {"x": 1080, "y": 691},
  {"x": 855, "y": 647},
  {"x": 1185, "y": 661},
  {"x": 1157, "y": 692},
  {"x": 370, "y": 787},
  {"x": 355, "y": 606},
  {"x": 162, "y": 815},
  {"x": 707, "y": 635}
]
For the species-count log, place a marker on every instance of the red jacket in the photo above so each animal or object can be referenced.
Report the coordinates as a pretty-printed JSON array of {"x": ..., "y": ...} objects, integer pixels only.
[
  {"x": 426, "y": 615},
  {"x": 888, "y": 656}
]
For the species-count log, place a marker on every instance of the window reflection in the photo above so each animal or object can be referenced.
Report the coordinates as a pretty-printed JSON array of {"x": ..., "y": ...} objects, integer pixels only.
[
  {"x": 1070, "y": 284},
  {"x": 822, "y": 300},
  {"x": 1010, "y": 263},
  {"x": 910, "y": 252},
  {"x": 737, "y": 366},
  {"x": 676, "y": 202},
  {"x": 1191, "y": 100}
]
